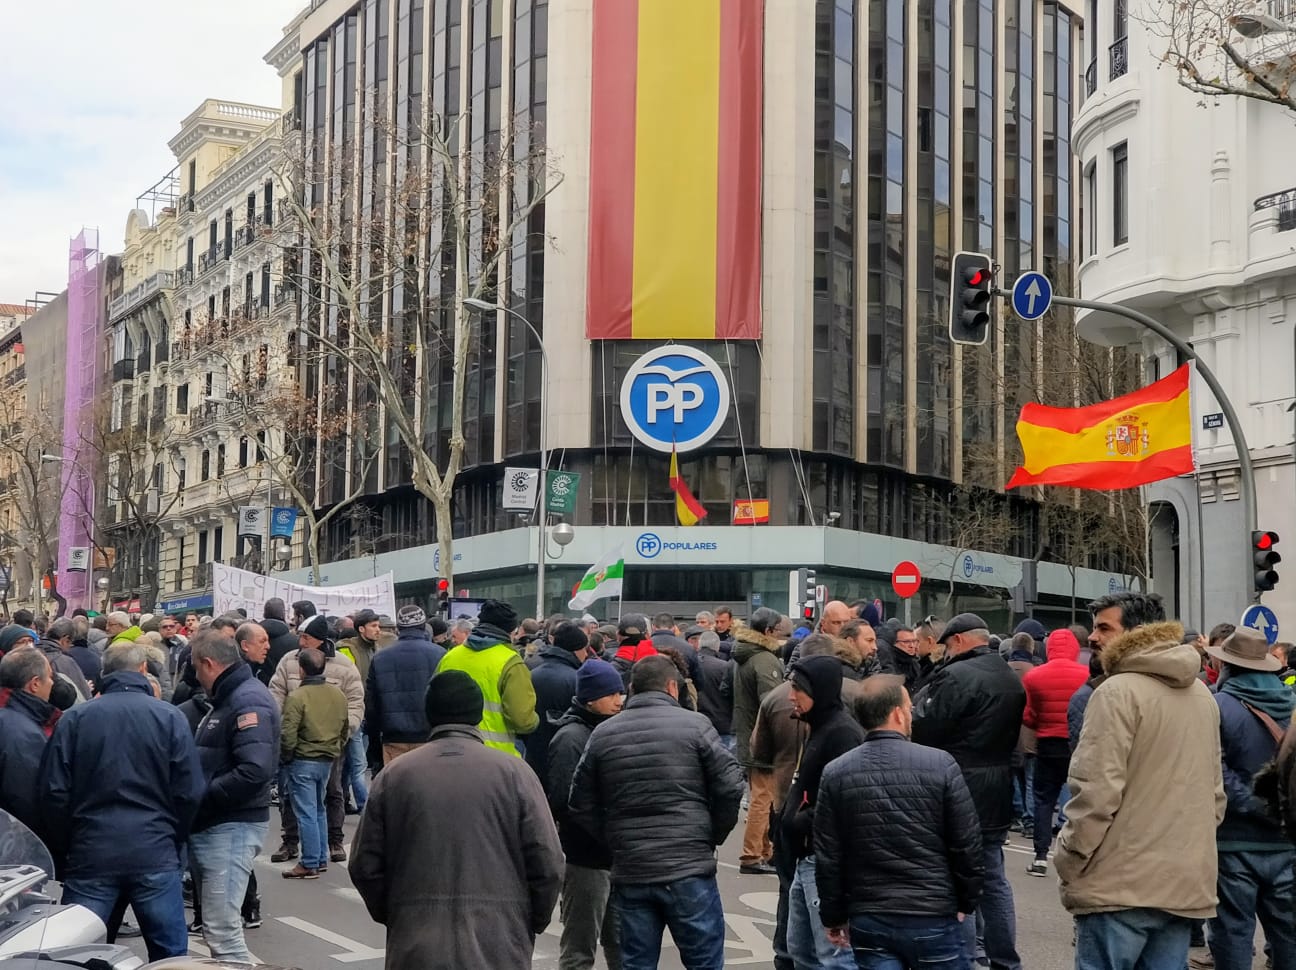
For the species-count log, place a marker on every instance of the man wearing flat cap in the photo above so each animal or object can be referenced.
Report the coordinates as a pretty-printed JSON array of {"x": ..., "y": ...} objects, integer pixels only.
[
  {"x": 474, "y": 893},
  {"x": 972, "y": 706}
]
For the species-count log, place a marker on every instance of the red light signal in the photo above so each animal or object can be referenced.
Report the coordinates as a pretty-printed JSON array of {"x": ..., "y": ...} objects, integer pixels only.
[
  {"x": 975, "y": 278},
  {"x": 1264, "y": 557},
  {"x": 808, "y": 611},
  {"x": 443, "y": 585},
  {"x": 443, "y": 597},
  {"x": 1265, "y": 540},
  {"x": 971, "y": 280}
]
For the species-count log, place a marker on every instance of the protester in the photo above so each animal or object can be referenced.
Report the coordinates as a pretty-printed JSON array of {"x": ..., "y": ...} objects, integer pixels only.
[
  {"x": 55, "y": 644},
  {"x": 757, "y": 671},
  {"x": 554, "y": 680},
  {"x": 282, "y": 639},
  {"x": 27, "y": 719},
  {"x": 715, "y": 694},
  {"x": 632, "y": 645},
  {"x": 494, "y": 870},
  {"x": 85, "y": 656},
  {"x": 658, "y": 789},
  {"x": 395, "y": 694},
  {"x": 588, "y": 917},
  {"x": 124, "y": 741}
]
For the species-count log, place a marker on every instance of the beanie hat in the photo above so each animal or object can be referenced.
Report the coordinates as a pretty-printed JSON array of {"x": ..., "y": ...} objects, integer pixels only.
[
  {"x": 317, "y": 627},
  {"x": 872, "y": 614},
  {"x": 439, "y": 626},
  {"x": 410, "y": 616},
  {"x": 1032, "y": 626},
  {"x": 595, "y": 679},
  {"x": 453, "y": 698},
  {"x": 499, "y": 615},
  {"x": 568, "y": 636},
  {"x": 12, "y": 634},
  {"x": 364, "y": 616}
]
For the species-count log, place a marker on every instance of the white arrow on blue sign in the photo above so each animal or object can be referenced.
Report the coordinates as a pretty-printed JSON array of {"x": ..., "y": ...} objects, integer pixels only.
[
  {"x": 1031, "y": 295},
  {"x": 1263, "y": 621}
]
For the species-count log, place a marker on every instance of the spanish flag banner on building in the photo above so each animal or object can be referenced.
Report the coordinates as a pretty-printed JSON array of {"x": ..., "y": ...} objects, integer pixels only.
[
  {"x": 751, "y": 511},
  {"x": 1132, "y": 440},
  {"x": 675, "y": 170},
  {"x": 688, "y": 509}
]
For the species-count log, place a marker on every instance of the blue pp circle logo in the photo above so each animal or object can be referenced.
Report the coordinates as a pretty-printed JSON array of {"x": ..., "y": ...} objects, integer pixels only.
[
  {"x": 648, "y": 545},
  {"x": 674, "y": 397},
  {"x": 969, "y": 566}
]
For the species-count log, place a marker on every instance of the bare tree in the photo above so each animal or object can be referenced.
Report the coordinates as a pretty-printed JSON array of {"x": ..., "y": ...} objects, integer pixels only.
[
  {"x": 383, "y": 267},
  {"x": 1227, "y": 48}
]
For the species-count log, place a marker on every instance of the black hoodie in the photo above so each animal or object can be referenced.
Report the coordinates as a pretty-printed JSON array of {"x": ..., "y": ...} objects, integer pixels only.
[
  {"x": 282, "y": 642},
  {"x": 833, "y": 732},
  {"x": 565, "y": 749}
]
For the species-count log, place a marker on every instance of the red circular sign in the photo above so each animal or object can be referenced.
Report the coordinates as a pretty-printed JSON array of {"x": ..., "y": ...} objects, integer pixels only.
[{"x": 905, "y": 579}]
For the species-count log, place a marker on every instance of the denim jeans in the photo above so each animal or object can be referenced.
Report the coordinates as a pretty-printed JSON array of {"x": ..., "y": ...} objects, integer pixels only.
[
  {"x": 730, "y": 741},
  {"x": 156, "y": 897},
  {"x": 1050, "y": 776},
  {"x": 690, "y": 908},
  {"x": 806, "y": 937},
  {"x": 588, "y": 918},
  {"x": 1023, "y": 788},
  {"x": 334, "y": 805},
  {"x": 357, "y": 763},
  {"x": 1252, "y": 884},
  {"x": 223, "y": 856},
  {"x": 308, "y": 787},
  {"x": 996, "y": 912},
  {"x": 893, "y": 941},
  {"x": 1132, "y": 939}
]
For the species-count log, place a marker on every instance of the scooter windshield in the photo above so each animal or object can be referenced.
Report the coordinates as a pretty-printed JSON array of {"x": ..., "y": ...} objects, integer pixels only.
[{"x": 20, "y": 849}]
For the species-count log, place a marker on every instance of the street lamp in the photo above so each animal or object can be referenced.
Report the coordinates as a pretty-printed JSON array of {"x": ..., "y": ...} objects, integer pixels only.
[
  {"x": 283, "y": 553},
  {"x": 542, "y": 518}
]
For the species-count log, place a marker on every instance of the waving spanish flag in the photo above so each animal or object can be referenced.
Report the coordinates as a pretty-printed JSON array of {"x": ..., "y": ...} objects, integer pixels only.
[
  {"x": 1132, "y": 440},
  {"x": 688, "y": 509}
]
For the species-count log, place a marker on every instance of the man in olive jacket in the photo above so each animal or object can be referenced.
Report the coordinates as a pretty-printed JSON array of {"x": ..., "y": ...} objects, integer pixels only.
[
  {"x": 757, "y": 671},
  {"x": 456, "y": 853}
]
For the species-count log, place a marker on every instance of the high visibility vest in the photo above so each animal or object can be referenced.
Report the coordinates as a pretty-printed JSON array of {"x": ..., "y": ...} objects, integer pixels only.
[{"x": 485, "y": 668}]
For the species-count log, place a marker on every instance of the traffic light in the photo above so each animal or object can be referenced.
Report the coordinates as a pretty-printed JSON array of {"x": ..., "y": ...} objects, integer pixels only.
[
  {"x": 1264, "y": 553},
  {"x": 806, "y": 582},
  {"x": 971, "y": 280},
  {"x": 443, "y": 597}
]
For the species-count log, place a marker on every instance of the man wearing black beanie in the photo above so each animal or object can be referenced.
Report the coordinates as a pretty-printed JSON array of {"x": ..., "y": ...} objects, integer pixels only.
[
  {"x": 489, "y": 659},
  {"x": 503, "y": 845},
  {"x": 553, "y": 677}
]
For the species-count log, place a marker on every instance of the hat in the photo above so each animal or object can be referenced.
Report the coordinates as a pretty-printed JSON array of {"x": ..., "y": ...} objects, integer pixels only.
[
  {"x": 386, "y": 622},
  {"x": 12, "y": 634},
  {"x": 570, "y": 637},
  {"x": 1032, "y": 626},
  {"x": 872, "y": 613},
  {"x": 632, "y": 624},
  {"x": 317, "y": 627},
  {"x": 694, "y": 631},
  {"x": 595, "y": 679},
  {"x": 498, "y": 614},
  {"x": 439, "y": 626},
  {"x": 588, "y": 618},
  {"x": 963, "y": 623},
  {"x": 365, "y": 616},
  {"x": 453, "y": 698},
  {"x": 410, "y": 616},
  {"x": 1245, "y": 648}
]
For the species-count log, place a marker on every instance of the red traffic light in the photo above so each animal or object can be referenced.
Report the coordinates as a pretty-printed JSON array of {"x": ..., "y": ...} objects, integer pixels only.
[
  {"x": 976, "y": 277},
  {"x": 443, "y": 585},
  {"x": 1265, "y": 540}
]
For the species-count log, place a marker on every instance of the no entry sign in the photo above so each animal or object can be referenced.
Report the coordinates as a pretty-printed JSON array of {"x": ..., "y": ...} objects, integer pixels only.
[{"x": 905, "y": 579}]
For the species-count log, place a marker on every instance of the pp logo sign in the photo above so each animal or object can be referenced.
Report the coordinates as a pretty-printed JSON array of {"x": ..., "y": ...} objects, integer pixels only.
[{"x": 675, "y": 396}]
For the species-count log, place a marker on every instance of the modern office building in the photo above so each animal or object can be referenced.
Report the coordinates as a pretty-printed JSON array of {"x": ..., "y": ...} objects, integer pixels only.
[
  {"x": 780, "y": 185},
  {"x": 1188, "y": 219}
]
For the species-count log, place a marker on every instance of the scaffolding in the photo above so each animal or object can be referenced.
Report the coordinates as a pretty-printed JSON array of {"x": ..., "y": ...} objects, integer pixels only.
[{"x": 162, "y": 194}]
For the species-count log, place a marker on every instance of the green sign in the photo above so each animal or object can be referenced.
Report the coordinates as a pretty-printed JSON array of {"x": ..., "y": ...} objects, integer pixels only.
[{"x": 561, "y": 491}]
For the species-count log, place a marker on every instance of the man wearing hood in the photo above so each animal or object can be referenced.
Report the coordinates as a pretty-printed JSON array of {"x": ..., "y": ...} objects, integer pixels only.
[
  {"x": 1151, "y": 739},
  {"x": 632, "y": 645},
  {"x": 757, "y": 671},
  {"x": 1035, "y": 630},
  {"x": 1254, "y": 856},
  {"x": 1048, "y": 695},
  {"x": 282, "y": 639},
  {"x": 816, "y": 694},
  {"x": 585, "y": 910},
  {"x": 554, "y": 681},
  {"x": 488, "y": 657}
]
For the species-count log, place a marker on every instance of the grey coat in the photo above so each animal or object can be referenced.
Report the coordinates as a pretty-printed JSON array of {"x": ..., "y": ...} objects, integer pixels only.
[{"x": 457, "y": 855}]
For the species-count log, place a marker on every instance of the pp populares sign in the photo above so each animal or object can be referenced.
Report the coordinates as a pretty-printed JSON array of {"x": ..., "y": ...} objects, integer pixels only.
[{"x": 674, "y": 397}]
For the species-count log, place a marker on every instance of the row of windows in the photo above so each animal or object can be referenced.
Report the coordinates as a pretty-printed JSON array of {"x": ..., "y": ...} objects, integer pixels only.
[{"x": 1118, "y": 172}]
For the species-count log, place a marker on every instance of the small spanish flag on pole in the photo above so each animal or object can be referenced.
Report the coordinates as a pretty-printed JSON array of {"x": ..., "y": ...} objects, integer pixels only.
[
  {"x": 688, "y": 509},
  {"x": 1128, "y": 441}
]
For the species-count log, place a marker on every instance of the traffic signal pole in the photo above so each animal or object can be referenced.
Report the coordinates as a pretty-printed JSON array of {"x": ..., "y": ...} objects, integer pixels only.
[{"x": 1246, "y": 469}]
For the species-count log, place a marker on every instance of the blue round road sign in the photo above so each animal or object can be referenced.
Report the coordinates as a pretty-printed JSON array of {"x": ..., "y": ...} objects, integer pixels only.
[
  {"x": 674, "y": 397},
  {"x": 1262, "y": 620},
  {"x": 1031, "y": 295}
]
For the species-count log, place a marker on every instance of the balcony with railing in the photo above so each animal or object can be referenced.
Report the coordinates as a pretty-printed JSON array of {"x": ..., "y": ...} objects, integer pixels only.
[
  {"x": 1273, "y": 215},
  {"x": 245, "y": 235},
  {"x": 123, "y": 370},
  {"x": 208, "y": 260},
  {"x": 1119, "y": 53},
  {"x": 1091, "y": 78},
  {"x": 140, "y": 293},
  {"x": 15, "y": 376},
  {"x": 184, "y": 276}
]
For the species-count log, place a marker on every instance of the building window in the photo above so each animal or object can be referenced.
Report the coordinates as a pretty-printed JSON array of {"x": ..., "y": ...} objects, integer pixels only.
[
  {"x": 1089, "y": 209},
  {"x": 205, "y": 466},
  {"x": 220, "y": 461},
  {"x": 1120, "y": 194},
  {"x": 182, "y": 399}
]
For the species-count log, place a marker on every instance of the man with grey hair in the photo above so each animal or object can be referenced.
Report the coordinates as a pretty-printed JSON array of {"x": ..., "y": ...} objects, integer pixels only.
[
  {"x": 115, "y": 624},
  {"x": 122, "y": 851},
  {"x": 27, "y": 719},
  {"x": 460, "y": 630},
  {"x": 714, "y": 700},
  {"x": 972, "y": 707},
  {"x": 706, "y": 620},
  {"x": 55, "y": 644}
]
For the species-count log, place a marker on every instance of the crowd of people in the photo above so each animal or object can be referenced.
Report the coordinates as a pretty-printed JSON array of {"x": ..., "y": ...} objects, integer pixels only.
[{"x": 598, "y": 768}]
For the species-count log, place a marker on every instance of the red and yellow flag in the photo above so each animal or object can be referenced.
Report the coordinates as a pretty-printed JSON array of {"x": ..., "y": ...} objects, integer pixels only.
[
  {"x": 751, "y": 511},
  {"x": 688, "y": 509},
  {"x": 675, "y": 170},
  {"x": 1128, "y": 441}
]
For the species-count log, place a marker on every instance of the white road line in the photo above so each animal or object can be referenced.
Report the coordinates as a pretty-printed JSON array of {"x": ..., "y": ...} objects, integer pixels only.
[{"x": 355, "y": 951}]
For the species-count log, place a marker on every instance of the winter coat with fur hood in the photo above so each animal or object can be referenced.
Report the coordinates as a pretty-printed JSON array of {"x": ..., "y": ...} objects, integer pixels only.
[{"x": 757, "y": 671}]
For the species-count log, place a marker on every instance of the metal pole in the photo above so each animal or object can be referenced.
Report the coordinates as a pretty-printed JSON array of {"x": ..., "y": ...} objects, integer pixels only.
[{"x": 1246, "y": 470}]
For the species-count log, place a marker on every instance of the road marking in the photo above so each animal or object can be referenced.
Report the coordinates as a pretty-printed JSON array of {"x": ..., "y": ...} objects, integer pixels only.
[
  {"x": 198, "y": 947},
  {"x": 756, "y": 943},
  {"x": 355, "y": 951}
]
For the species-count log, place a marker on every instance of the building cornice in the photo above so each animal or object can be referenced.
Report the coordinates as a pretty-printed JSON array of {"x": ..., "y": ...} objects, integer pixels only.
[
  {"x": 230, "y": 122},
  {"x": 288, "y": 48},
  {"x": 237, "y": 171}
]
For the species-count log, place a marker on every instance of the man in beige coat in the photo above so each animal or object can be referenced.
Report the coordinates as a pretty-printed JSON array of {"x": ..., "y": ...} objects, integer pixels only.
[{"x": 1136, "y": 858}]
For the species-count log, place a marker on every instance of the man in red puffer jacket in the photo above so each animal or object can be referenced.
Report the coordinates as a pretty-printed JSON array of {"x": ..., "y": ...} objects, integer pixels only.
[{"x": 1048, "y": 693}]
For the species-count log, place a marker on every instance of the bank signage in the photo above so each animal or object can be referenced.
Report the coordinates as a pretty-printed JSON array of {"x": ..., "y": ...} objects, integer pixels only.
[{"x": 674, "y": 397}]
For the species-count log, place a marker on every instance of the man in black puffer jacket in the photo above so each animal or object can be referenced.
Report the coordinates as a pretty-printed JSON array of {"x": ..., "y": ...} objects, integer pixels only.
[
  {"x": 395, "y": 691},
  {"x": 554, "y": 679},
  {"x": 816, "y": 684},
  {"x": 282, "y": 639},
  {"x": 660, "y": 790},
  {"x": 897, "y": 840},
  {"x": 972, "y": 706}
]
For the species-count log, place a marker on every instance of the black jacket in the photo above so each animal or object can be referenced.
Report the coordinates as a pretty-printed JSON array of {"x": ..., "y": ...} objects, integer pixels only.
[
  {"x": 395, "y": 712},
  {"x": 658, "y": 788},
  {"x": 895, "y": 832},
  {"x": 554, "y": 680},
  {"x": 238, "y": 744},
  {"x": 893, "y": 660},
  {"x": 572, "y": 732},
  {"x": 65, "y": 665},
  {"x": 22, "y": 742},
  {"x": 715, "y": 690},
  {"x": 86, "y": 659},
  {"x": 123, "y": 743},
  {"x": 972, "y": 707},
  {"x": 282, "y": 642},
  {"x": 833, "y": 732}
]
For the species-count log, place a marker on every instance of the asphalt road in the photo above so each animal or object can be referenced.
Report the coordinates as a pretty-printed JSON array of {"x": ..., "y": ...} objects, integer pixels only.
[{"x": 322, "y": 924}]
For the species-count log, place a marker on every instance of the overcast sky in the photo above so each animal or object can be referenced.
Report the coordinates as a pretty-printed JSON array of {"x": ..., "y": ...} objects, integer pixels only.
[{"x": 93, "y": 92}]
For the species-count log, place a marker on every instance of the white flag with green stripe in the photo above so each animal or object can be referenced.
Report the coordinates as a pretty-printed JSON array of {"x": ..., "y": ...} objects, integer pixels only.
[{"x": 603, "y": 579}]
